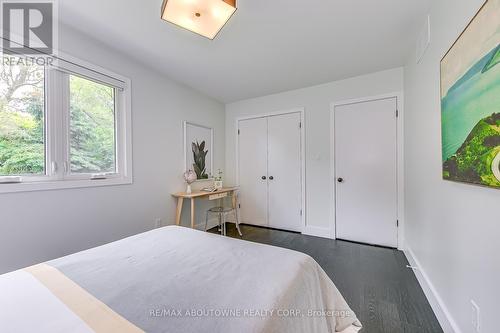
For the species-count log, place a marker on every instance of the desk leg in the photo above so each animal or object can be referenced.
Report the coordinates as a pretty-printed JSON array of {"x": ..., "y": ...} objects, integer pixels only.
[
  {"x": 192, "y": 213},
  {"x": 180, "y": 201},
  {"x": 233, "y": 201}
]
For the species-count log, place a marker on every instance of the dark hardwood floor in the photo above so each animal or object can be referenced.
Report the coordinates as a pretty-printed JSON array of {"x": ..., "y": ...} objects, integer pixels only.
[{"x": 383, "y": 293}]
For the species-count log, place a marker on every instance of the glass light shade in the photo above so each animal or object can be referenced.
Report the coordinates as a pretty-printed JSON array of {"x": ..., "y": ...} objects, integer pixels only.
[{"x": 204, "y": 17}]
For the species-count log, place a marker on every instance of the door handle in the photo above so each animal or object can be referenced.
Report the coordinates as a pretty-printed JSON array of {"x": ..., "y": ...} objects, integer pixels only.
[
  {"x": 340, "y": 180},
  {"x": 271, "y": 178},
  {"x": 264, "y": 177}
]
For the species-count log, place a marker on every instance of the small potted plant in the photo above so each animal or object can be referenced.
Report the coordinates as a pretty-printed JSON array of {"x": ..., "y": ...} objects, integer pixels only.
[{"x": 218, "y": 180}]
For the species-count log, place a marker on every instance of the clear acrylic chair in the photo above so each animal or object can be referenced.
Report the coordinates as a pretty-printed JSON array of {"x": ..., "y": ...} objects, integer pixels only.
[{"x": 222, "y": 213}]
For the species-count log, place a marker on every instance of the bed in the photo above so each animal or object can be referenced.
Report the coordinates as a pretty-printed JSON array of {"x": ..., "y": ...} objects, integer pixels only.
[{"x": 175, "y": 279}]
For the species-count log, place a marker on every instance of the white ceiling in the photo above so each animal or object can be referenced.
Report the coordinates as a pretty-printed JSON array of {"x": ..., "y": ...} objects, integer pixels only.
[{"x": 268, "y": 46}]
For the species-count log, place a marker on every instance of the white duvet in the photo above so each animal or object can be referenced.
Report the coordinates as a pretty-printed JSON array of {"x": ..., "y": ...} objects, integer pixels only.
[{"x": 176, "y": 279}]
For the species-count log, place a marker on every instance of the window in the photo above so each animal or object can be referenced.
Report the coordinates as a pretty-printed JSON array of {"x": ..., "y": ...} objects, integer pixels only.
[
  {"x": 22, "y": 119},
  {"x": 63, "y": 125},
  {"x": 92, "y": 127}
]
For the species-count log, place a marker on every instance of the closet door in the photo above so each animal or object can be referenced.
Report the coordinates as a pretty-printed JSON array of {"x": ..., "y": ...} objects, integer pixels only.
[
  {"x": 366, "y": 172},
  {"x": 284, "y": 172},
  {"x": 252, "y": 159}
]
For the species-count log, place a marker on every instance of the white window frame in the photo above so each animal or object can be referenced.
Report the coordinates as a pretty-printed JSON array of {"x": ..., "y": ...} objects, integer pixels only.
[{"x": 57, "y": 142}]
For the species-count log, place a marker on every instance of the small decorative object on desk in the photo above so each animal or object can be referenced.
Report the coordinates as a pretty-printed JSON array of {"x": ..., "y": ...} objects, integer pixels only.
[
  {"x": 189, "y": 177},
  {"x": 209, "y": 189},
  {"x": 218, "y": 180}
]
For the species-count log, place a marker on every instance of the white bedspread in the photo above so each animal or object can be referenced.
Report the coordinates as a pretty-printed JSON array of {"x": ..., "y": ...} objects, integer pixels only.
[{"x": 176, "y": 279}]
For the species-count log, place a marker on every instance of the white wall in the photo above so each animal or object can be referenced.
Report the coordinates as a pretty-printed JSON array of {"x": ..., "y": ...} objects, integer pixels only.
[
  {"x": 451, "y": 228},
  {"x": 316, "y": 101},
  {"x": 38, "y": 226}
]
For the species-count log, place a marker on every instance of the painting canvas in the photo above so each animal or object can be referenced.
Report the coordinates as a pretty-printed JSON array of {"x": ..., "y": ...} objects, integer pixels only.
[
  {"x": 198, "y": 150},
  {"x": 470, "y": 102}
]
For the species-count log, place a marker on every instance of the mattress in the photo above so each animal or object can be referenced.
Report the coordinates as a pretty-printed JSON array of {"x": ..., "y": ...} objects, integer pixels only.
[{"x": 175, "y": 279}]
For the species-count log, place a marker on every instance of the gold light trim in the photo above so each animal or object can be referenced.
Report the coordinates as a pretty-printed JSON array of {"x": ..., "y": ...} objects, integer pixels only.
[{"x": 204, "y": 17}]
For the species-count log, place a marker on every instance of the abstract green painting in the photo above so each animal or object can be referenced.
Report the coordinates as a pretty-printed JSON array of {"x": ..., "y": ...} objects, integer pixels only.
[{"x": 470, "y": 102}]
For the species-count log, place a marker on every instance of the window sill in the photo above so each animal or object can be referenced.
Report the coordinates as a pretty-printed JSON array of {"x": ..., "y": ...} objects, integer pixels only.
[{"x": 62, "y": 185}]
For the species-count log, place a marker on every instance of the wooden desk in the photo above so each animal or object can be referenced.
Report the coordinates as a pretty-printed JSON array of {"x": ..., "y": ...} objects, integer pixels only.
[{"x": 219, "y": 194}]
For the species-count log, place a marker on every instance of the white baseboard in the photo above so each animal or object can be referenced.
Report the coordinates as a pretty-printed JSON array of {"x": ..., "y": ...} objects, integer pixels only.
[
  {"x": 212, "y": 223},
  {"x": 444, "y": 317},
  {"x": 318, "y": 232}
]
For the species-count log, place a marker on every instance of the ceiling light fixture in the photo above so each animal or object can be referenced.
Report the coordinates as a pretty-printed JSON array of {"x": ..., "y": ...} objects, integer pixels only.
[{"x": 204, "y": 17}]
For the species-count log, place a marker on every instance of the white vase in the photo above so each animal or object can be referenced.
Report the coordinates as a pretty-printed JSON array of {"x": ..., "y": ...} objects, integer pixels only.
[{"x": 188, "y": 190}]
